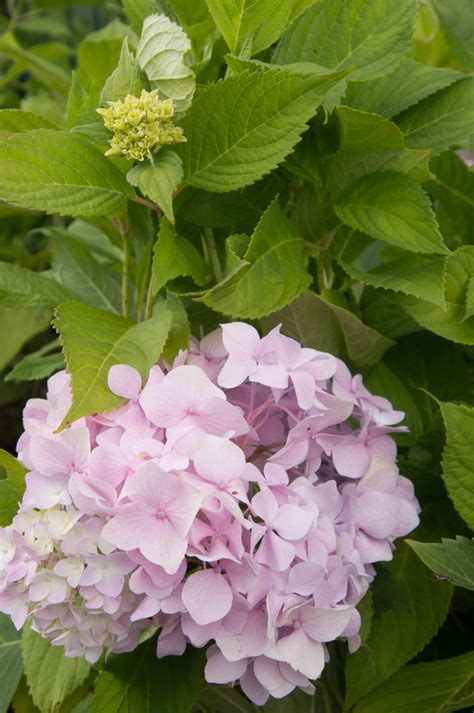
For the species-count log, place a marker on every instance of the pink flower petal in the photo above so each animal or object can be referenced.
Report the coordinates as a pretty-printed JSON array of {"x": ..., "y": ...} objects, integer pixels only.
[
  {"x": 207, "y": 596},
  {"x": 124, "y": 381}
]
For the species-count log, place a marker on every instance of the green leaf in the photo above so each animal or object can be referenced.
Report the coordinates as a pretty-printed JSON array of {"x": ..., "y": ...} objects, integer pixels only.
[
  {"x": 12, "y": 486},
  {"x": 14, "y": 121},
  {"x": 456, "y": 21},
  {"x": 37, "y": 365},
  {"x": 369, "y": 143},
  {"x": 457, "y": 464},
  {"x": 373, "y": 35},
  {"x": 160, "y": 53},
  {"x": 99, "y": 52},
  {"x": 383, "y": 381},
  {"x": 417, "y": 606},
  {"x": 17, "y": 327},
  {"x": 433, "y": 687},
  {"x": 450, "y": 323},
  {"x": 315, "y": 322},
  {"x": 453, "y": 188},
  {"x": 61, "y": 173},
  {"x": 20, "y": 287},
  {"x": 127, "y": 78},
  {"x": 393, "y": 208},
  {"x": 11, "y": 665},
  {"x": 250, "y": 23},
  {"x": 406, "y": 85},
  {"x": 139, "y": 682},
  {"x": 453, "y": 559},
  {"x": 270, "y": 274},
  {"x": 137, "y": 11},
  {"x": 174, "y": 256},
  {"x": 441, "y": 120},
  {"x": 241, "y": 128},
  {"x": 180, "y": 330},
  {"x": 48, "y": 73},
  {"x": 416, "y": 275},
  {"x": 93, "y": 341},
  {"x": 51, "y": 677},
  {"x": 87, "y": 279},
  {"x": 159, "y": 180},
  {"x": 224, "y": 698}
]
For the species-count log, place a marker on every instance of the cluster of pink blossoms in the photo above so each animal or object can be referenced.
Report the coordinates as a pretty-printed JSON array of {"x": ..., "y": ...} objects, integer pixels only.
[{"x": 240, "y": 497}]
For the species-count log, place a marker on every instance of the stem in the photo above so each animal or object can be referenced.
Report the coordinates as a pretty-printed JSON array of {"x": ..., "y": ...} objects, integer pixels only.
[
  {"x": 125, "y": 266},
  {"x": 327, "y": 699},
  {"x": 148, "y": 204},
  {"x": 149, "y": 300},
  {"x": 213, "y": 254}
]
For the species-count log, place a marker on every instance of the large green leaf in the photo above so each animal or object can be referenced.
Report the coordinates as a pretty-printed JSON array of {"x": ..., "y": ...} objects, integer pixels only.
[
  {"x": 415, "y": 607},
  {"x": 433, "y": 687},
  {"x": 373, "y": 35},
  {"x": 17, "y": 327},
  {"x": 87, "y": 279},
  {"x": 457, "y": 23},
  {"x": 14, "y": 121},
  {"x": 142, "y": 683},
  {"x": 368, "y": 143},
  {"x": 453, "y": 188},
  {"x": 174, "y": 256},
  {"x": 442, "y": 120},
  {"x": 316, "y": 322},
  {"x": 242, "y": 127},
  {"x": 51, "y": 677},
  {"x": 12, "y": 485},
  {"x": 405, "y": 86},
  {"x": 393, "y": 208},
  {"x": 458, "y": 458},
  {"x": 269, "y": 275},
  {"x": 450, "y": 323},
  {"x": 93, "y": 341},
  {"x": 59, "y": 172},
  {"x": 252, "y": 24},
  {"x": 453, "y": 559},
  {"x": 11, "y": 665},
  {"x": 159, "y": 180},
  {"x": 160, "y": 53},
  {"x": 20, "y": 287}
]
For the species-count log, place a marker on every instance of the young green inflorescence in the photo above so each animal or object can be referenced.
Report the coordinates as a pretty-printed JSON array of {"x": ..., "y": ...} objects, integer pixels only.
[{"x": 140, "y": 125}]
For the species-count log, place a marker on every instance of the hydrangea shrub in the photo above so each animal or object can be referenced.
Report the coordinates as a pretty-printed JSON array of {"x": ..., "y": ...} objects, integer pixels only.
[{"x": 236, "y": 318}]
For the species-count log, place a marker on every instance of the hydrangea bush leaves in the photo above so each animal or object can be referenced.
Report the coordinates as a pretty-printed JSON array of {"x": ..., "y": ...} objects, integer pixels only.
[{"x": 236, "y": 236}]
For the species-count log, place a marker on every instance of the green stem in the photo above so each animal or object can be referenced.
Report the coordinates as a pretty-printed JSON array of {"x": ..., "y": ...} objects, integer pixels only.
[
  {"x": 149, "y": 300},
  {"x": 125, "y": 266},
  {"x": 327, "y": 698},
  {"x": 213, "y": 255},
  {"x": 148, "y": 204}
]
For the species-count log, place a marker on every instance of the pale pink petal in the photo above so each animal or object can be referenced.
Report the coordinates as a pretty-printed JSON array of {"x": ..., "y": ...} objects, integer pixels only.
[
  {"x": 240, "y": 339},
  {"x": 292, "y": 522},
  {"x": 276, "y": 553},
  {"x": 207, "y": 596},
  {"x": 219, "y": 460},
  {"x": 253, "y": 689},
  {"x": 304, "y": 388},
  {"x": 267, "y": 672},
  {"x": 235, "y": 371},
  {"x": 161, "y": 544},
  {"x": 351, "y": 461},
  {"x": 124, "y": 381},
  {"x": 108, "y": 463},
  {"x": 273, "y": 375},
  {"x": 219, "y": 670},
  {"x": 219, "y": 417},
  {"x": 124, "y": 529},
  {"x": 305, "y": 577},
  {"x": 252, "y": 641},
  {"x": 324, "y": 624},
  {"x": 301, "y": 653}
]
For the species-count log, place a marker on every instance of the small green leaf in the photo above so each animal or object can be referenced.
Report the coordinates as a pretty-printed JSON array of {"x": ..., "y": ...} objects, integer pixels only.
[
  {"x": 12, "y": 486},
  {"x": 241, "y": 128},
  {"x": 14, "y": 121},
  {"x": 174, "y": 256},
  {"x": 11, "y": 665},
  {"x": 127, "y": 78},
  {"x": 406, "y": 85},
  {"x": 180, "y": 330},
  {"x": 456, "y": 22},
  {"x": 20, "y": 287},
  {"x": 458, "y": 458},
  {"x": 37, "y": 365},
  {"x": 160, "y": 53},
  {"x": 373, "y": 35},
  {"x": 453, "y": 559},
  {"x": 453, "y": 189},
  {"x": 433, "y": 687},
  {"x": 393, "y": 208},
  {"x": 62, "y": 173},
  {"x": 51, "y": 677},
  {"x": 159, "y": 180},
  {"x": 416, "y": 607},
  {"x": 137, "y": 11},
  {"x": 17, "y": 327},
  {"x": 269, "y": 275},
  {"x": 441, "y": 120},
  {"x": 139, "y": 682},
  {"x": 250, "y": 23},
  {"x": 48, "y": 73},
  {"x": 452, "y": 322},
  {"x": 87, "y": 279},
  {"x": 93, "y": 341}
]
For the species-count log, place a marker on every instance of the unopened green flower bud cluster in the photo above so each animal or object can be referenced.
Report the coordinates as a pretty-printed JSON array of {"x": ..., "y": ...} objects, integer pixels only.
[{"x": 140, "y": 125}]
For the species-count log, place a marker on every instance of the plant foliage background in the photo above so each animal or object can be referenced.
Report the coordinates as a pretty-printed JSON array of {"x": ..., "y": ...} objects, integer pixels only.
[{"x": 334, "y": 126}]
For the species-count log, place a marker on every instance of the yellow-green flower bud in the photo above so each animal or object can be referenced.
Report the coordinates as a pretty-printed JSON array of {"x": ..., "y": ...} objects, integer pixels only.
[{"x": 140, "y": 125}]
